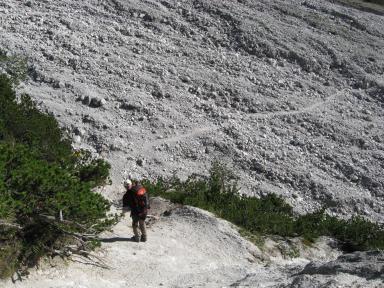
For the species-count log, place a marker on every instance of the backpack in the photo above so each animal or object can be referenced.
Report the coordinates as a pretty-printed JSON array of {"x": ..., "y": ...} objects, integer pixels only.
[
  {"x": 141, "y": 200},
  {"x": 137, "y": 200}
]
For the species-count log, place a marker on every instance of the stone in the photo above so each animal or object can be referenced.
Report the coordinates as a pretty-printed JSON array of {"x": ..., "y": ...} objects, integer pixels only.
[
  {"x": 79, "y": 131},
  {"x": 77, "y": 139},
  {"x": 58, "y": 84},
  {"x": 185, "y": 79},
  {"x": 140, "y": 162},
  {"x": 172, "y": 70},
  {"x": 130, "y": 106},
  {"x": 158, "y": 93},
  {"x": 86, "y": 100},
  {"x": 369, "y": 265},
  {"x": 97, "y": 102}
]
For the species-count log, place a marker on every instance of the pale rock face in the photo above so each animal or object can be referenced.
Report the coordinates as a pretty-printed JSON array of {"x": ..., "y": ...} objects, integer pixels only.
[
  {"x": 189, "y": 247},
  {"x": 288, "y": 93}
]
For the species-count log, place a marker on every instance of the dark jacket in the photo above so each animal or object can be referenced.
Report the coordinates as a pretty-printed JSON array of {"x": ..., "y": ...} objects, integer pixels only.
[{"x": 137, "y": 200}]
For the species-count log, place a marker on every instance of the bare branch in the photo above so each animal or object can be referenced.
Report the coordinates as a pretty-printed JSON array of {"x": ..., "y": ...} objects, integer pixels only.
[
  {"x": 8, "y": 224},
  {"x": 53, "y": 219},
  {"x": 67, "y": 251}
]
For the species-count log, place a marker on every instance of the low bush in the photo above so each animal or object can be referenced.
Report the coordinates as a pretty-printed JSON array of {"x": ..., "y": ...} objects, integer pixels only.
[
  {"x": 47, "y": 203},
  {"x": 268, "y": 215},
  {"x": 14, "y": 66}
]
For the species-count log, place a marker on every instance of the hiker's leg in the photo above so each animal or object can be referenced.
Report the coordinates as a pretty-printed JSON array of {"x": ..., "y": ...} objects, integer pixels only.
[
  {"x": 135, "y": 226},
  {"x": 143, "y": 229}
]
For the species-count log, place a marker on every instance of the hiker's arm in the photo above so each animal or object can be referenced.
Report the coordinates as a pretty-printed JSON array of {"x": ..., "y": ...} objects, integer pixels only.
[{"x": 127, "y": 202}]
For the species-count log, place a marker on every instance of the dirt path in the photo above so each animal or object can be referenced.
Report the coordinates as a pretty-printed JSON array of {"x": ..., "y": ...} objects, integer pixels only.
[
  {"x": 190, "y": 248},
  {"x": 306, "y": 109},
  {"x": 212, "y": 128}
]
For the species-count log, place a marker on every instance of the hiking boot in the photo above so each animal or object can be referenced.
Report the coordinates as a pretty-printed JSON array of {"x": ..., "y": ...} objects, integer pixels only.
[
  {"x": 143, "y": 238},
  {"x": 135, "y": 239}
]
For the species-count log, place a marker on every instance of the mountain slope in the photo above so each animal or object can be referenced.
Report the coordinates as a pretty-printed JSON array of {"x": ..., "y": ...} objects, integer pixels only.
[{"x": 289, "y": 92}]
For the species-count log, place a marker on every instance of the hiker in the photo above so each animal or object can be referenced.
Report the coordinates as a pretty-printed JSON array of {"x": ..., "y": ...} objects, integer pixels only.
[{"x": 136, "y": 198}]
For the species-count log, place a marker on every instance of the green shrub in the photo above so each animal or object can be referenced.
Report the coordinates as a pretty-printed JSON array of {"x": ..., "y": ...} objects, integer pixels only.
[
  {"x": 268, "y": 215},
  {"x": 21, "y": 122},
  {"x": 89, "y": 169},
  {"x": 42, "y": 177},
  {"x": 14, "y": 66}
]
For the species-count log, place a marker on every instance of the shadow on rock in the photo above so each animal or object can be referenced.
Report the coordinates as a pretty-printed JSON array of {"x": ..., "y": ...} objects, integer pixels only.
[{"x": 116, "y": 239}]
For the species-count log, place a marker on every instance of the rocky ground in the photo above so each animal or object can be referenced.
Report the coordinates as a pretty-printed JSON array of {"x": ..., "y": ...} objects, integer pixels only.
[
  {"x": 188, "y": 247},
  {"x": 289, "y": 93}
]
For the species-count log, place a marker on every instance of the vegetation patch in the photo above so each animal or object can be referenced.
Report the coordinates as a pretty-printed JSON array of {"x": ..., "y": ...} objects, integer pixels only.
[
  {"x": 268, "y": 215},
  {"x": 15, "y": 67},
  {"x": 47, "y": 202}
]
